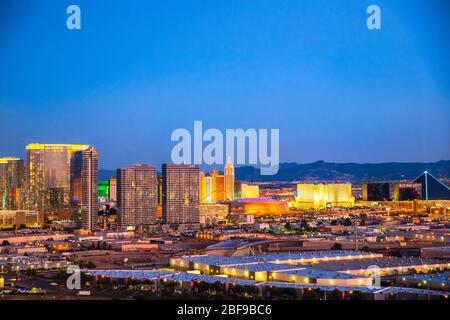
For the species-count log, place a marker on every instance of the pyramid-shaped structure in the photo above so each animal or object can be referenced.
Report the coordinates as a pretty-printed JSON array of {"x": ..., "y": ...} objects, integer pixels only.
[{"x": 432, "y": 188}]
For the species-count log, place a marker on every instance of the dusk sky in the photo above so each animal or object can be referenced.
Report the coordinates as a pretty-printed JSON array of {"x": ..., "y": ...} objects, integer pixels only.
[{"x": 137, "y": 70}]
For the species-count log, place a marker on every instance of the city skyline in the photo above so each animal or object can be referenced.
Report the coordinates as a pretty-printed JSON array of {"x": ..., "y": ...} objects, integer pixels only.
[
  {"x": 224, "y": 158},
  {"x": 206, "y": 167},
  {"x": 329, "y": 78}
]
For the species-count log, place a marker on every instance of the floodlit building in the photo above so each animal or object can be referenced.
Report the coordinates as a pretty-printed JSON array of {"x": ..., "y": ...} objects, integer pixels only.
[
  {"x": 213, "y": 174},
  {"x": 229, "y": 180},
  {"x": 11, "y": 175},
  {"x": 249, "y": 191},
  {"x": 112, "y": 189},
  {"x": 259, "y": 206},
  {"x": 317, "y": 196},
  {"x": 202, "y": 186},
  {"x": 103, "y": 190},
  {"x": 213, "y": 213},
  {"x": 208, "y": 190},
  {"x": 50, "y": 184},
  {"x": 17, "y": 218},
  {"x": 220, "y": 188}
]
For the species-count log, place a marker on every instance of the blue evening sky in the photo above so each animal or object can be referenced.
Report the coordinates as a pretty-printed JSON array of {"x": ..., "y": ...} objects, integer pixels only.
[{"x": 140, "y": 69}]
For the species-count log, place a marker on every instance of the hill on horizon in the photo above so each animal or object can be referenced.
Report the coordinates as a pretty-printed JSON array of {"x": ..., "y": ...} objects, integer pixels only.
[
  {"x": 330, "y": 171},
  {"x": 351, "y": 172}
]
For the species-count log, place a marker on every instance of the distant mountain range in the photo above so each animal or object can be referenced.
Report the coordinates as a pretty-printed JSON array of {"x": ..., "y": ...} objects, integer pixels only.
[
  {"x": 352, "y": 172},
  {"x": 328, "y": 171}
]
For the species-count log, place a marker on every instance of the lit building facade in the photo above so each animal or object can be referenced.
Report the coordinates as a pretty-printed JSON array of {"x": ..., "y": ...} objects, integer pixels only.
[
  {"x": 229, "y": 180},
  {"x": 259, "y": 206},
  {"x": 49, "y": 183},
  {"x": 112, "y": 189},
  {"x": 103, "y": 189},
  {"x": 376, "y": 191},
  {"x": 213, "y": 174},
  {"x": 202, "y": 186},
  {"x": 220, "y": 188},
  {"x": 11, "y": 181},
  {"x": 249, "y": 191},
  {"x": 16, "y": 218},
  {"x": 137, "y": 196},
  {"x": 208, "y": 190},
  {"x": 180, "y": 194},
  {"x": 88, "y": 161},
  {"x": 407, "y": 191},
  {"x": 213, "y": 213},
  {"x": 319, "y": 196}
]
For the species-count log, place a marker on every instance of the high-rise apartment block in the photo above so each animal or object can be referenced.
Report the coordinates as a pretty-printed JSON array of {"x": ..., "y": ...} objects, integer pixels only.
[
  {"x": 137, "y": 196},
  {"x": 180, "y": 193},
  {"x": 87, "y": 161}
]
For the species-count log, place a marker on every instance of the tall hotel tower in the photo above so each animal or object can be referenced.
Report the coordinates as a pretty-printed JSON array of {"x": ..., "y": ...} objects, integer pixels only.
[
  {"x": 49, "y": 180},
  {"x": 202, "y": 187},
  {"x": 229, "y": 180},
  {"x": 137, "y": 196},
  {"x": 11, "y": 175},
  {"x": 180, "y": 193},
  {"x": 86, "y": 164}
]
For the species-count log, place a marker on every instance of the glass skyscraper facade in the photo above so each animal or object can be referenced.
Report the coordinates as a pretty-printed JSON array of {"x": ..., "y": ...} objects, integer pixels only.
[
  {"x": 11, "y": 180},
  {"x": 51, "y": 178}
]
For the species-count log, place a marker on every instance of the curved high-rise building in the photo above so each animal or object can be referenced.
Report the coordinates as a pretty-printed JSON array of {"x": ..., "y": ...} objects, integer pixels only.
[
  {"x": 51, "y": 184},
  {"x": 11, "y": 174}
]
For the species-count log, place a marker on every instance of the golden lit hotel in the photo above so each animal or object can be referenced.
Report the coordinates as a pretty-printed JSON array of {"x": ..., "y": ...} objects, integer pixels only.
[
  {"x": 320, "y": 196},
  {"x": 249, "y": 191},
  {"x": 49, "y": 175}
]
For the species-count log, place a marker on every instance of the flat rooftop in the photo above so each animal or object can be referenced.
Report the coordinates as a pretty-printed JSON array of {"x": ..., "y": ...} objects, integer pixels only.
[
  {"x": 186, "y": 277},
  {"x": 320, "y": 274},
  {"x": 385, "y": 262},
  {"x": 265, "y": 267},
  {"x": 442, "y": 277},
  {"x": 277, "y": 257}
]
